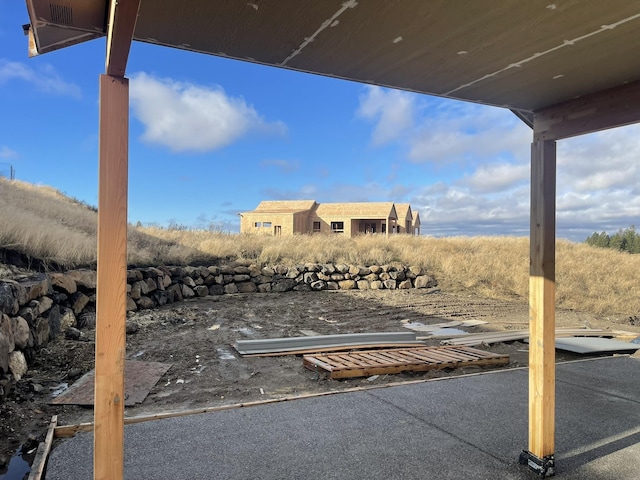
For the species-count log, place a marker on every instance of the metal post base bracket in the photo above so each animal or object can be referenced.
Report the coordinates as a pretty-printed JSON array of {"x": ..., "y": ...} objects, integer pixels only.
[{"x": 545, "y": 467}]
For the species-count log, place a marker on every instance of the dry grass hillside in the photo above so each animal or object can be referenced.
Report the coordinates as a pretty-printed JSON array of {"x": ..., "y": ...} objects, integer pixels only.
[{"x": 44, "y": 224}]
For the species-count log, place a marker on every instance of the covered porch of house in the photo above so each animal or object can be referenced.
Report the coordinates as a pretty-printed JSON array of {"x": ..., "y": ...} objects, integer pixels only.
[{"x": 565, "y": 69}]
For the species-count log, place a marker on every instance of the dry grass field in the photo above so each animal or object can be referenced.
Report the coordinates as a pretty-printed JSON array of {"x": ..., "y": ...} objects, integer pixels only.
[{"x": 45, "y": 224}]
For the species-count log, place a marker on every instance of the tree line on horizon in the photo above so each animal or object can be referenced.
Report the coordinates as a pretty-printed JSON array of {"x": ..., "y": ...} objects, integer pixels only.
[{"x": 627, "y": 240}]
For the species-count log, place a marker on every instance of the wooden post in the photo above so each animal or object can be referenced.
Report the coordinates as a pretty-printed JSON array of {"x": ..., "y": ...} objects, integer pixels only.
[
  {"x": 108, "y": 456},
  {"x": 540, "y": 456}
]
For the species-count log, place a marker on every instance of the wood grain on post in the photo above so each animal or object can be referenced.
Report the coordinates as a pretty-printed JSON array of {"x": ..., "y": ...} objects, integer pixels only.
[
  {"x": 112, "y": 279},
  {"x": 542, "y": 299}
]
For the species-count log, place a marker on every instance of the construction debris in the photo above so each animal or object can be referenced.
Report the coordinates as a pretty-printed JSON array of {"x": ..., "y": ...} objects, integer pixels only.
[
  {"x": 324, "y": 343},
  {"x": 595, "y": 345},
  {"x": 486, "y": 338},
  {"x": 389, "y": 361}
]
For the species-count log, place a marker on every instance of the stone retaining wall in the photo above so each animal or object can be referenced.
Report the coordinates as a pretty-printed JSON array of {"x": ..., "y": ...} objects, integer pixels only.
[{"x": 35, "y": 309}]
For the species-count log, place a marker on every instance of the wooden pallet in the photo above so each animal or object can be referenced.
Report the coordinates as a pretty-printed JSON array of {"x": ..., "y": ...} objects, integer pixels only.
[{"x": 396, "y": 360}]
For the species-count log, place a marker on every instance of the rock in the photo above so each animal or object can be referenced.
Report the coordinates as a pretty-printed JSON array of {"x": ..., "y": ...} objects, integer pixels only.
[
  {"x": 342, "y": 268},
  {"x": 354, "y": 270},
  {"x": 176, "y": 291},
  {"x": 4, "y": 353},
  {"x": 41, "y": 305},
  {"x": 337, "y": 277},
  {"x": 6, "y": 328},
  {"x": 136, "y": 291},
  {"x": 323, "y": 277},
  {"x": 283, "y": 285},
  {"x": 53, "y": 319},
  {"x": 390, "y": 284},
  {"x": 132, "y": 327},
  {"x": 86, "y": 320},
  {"x": 268, "y": 272},
  {"x": 375, "y": 269},
  {"x": 416, "y": 270},
  {"x": 241, "y": 278},
  {"x": 28, "y": 313},
  {"x": 332, "y": 286},
  {"x": 310, "y": 277},
  {"x": 264, "y": 288},
  {"x": 384, "y": 276},
  {"x": 213, "y": 270},
  {"x": 84, "y": 278},
  {"x": 216, "y": 290},
  {"x": 230, "y": 288},
  {"x": 8, "y": 303},
  {"x": 201, "y": 290},
  {"x": 318, "y": 285},
  {"x": 37, "y": 286},
  {"x": 302, "y": 287},
  {"x": 423, "y": 281},
  {"x": 362, "y": 284},
  {"x": 161, "y": 297},
  {"x": 78, "y": 301},
  {"x": 188, "y": 281},
  {"x": 246, "y": 287},
  {"x": 372, "y": 277},
  {"x": 328, "y": 269},
  {"x": 187, "y": 292},
  {"x": 347, "y": 285},
  {"x": 376, "y": 285},
  {"x": 145, "y": 302},
  {"x": 166, "y": 280},
  {"x": 131, "y": 305},
  {"x": 241, "y": 270},
  {"x": 67, "y": 318},
  {"x": 281, "y": 269},
  {"x": 293, "y": 272},
  {"x": 63, "y": 283},
  {"x": 17, "y": 364},
  {"x": 405, "y": 285},
  {"x": 152, "y": 286},
  {"x": 72, "y": 333},
  {"x": 20, "y": 333}
]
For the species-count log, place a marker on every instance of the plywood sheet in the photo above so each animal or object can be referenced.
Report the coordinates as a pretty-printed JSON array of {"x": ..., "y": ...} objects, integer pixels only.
[
  {"x": 139, "y": 379},
  {"x": 595, "y": 345}
]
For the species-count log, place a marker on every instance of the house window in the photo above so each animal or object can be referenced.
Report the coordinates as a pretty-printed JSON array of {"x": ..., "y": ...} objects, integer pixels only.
[
  {"x": 337, "y": 227},
  {"x": 257, "y": 224},
  {"x": 316, "y": 226},
  {"x": 266, "y": 224}
]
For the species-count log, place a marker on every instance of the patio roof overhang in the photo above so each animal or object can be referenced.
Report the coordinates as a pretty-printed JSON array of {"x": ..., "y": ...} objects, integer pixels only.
[{"x": 565, "y": 67}]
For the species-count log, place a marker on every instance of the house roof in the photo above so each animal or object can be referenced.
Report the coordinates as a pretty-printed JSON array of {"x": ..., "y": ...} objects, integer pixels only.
[
  {"x": 404, "y": 211},
  {"x": 284, "y": 206},
  {"x": 521, "y": 55},
  {"x": 364, "y": 210},
  {"x": 416, "y": 219}
]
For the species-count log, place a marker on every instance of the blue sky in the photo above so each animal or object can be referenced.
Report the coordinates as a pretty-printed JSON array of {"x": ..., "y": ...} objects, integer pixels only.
[{"x": 211, "y": 137}]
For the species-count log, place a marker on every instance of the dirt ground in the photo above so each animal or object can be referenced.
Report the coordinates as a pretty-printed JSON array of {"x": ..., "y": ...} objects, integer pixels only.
[{"x": 195, "y": 337}]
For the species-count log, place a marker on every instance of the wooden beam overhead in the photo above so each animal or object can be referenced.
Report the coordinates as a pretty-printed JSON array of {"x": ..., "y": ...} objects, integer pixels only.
[
  {"x": 120, "y": 27},
  {"x": 610, "y": 108}
]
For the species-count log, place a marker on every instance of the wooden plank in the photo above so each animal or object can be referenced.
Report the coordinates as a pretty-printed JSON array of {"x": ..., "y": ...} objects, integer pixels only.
[
  {"x": 40, "y": 460},
  {"x": 610, "y": 108},
  {"x": 111, "y": 296},
  {"x": 542, "y": 299},
  {"x": 121, "y": 25}
]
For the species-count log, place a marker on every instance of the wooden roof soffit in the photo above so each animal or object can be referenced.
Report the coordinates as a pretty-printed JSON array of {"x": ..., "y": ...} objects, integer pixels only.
[
  {"x": 120, "y": 27},
  {"x": 614, "y": 107}
]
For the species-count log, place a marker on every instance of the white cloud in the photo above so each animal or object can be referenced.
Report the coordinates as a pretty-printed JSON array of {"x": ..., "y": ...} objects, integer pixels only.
[
  {"x": 285, "y": 166},
  {"x": 6, "y": 152},
  {"x": 188, "y": 117},
  {"x": 497, "y": 177},
  {"x": 44, "y": 79},
  {"x": 392, "y": 110}
]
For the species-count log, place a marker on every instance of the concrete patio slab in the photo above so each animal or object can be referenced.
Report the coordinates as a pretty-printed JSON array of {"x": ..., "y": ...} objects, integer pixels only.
[{"x": 469, "y": 427}]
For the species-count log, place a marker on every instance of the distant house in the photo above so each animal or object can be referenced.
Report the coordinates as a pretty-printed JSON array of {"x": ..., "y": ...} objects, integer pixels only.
[{"x": 289, "y": 217}]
